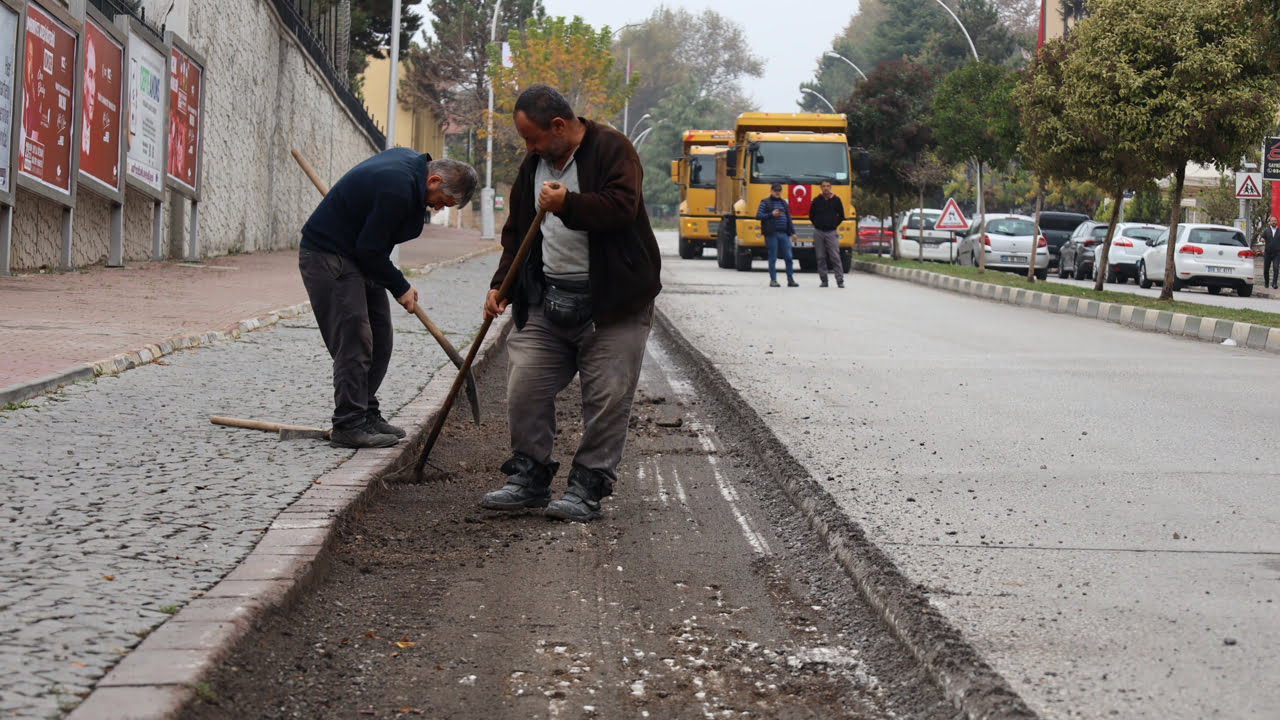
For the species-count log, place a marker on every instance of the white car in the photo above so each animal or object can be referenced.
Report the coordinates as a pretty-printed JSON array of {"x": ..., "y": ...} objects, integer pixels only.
[
  {"x": 939, "y": 245},
  {"x": 1007, "y": 244},
  {"x": 1213, "y": 256},
  {"x": 1128, "y": 245}
]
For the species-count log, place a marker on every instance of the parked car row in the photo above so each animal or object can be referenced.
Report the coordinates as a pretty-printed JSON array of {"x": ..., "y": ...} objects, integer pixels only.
[
  {"x": 1007, "y": 243},
  {"x": 1079, "y": 255}
]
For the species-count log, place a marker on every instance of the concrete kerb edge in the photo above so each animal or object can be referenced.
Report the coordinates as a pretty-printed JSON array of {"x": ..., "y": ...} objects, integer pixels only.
[
  {"x": 1196, "y": 327},
  {"x": 242, "y": 603},
  {"x": 965, "y": 678}
]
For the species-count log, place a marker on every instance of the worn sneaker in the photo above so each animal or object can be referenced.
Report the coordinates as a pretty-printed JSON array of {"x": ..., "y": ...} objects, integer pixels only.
[
  {"x": 379, "y": 424},
  {"x": 361, "y": 437},
  {"x": 581, "y": 501},
  {"x": 774, "y": 283},
  {"x": 528, "y": 485}
]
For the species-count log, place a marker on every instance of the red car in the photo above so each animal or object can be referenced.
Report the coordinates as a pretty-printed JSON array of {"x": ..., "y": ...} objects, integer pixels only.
[{"x": 874, "y": 239}]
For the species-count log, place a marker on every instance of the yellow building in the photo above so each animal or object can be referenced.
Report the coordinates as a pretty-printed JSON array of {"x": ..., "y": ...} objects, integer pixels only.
[{"x": 417, "y": 129}]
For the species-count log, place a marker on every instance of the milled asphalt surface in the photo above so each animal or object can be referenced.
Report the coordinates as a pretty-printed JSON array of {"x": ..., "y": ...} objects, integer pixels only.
[{"x": 123, "y": 503}]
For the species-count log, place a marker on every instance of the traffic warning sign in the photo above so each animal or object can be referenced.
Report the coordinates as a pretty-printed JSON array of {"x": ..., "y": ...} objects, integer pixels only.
[
  {"x": 952, "y": 218},
  {"x": 1248, "y": 186}
]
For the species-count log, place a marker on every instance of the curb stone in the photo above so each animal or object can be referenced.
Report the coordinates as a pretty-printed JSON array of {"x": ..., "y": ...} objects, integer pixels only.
[
  {"x": 159, "y": 677},
  {"x": 128, "y": 360},
  {"x": 1245, "y": 335}
]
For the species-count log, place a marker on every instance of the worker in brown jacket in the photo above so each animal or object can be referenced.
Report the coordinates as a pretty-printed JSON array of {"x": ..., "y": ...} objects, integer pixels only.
[{"x": 582, "y": 303}]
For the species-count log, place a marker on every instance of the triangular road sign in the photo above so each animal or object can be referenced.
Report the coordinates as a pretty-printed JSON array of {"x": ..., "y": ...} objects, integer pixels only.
[
  {"x": 1249, "y": 186},
  {"x": 952, "y": 218}
]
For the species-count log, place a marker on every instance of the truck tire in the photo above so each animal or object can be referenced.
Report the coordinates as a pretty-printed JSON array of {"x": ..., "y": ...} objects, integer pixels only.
[
  {"x": 725, "y": 243},
  {"x": 741, "y": 259},
  {"x": 686, "y": 248},
  {"x": 846, "y": 260}
]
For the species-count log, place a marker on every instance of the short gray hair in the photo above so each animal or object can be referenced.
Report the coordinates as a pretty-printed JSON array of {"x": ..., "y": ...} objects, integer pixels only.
[{"x": 458, "y": 179}]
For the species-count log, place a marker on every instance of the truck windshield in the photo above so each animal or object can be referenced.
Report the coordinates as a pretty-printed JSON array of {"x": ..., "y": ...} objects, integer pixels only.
[
  {"x": 809, "y": 162},
  {"x": 702, "y": 171}
]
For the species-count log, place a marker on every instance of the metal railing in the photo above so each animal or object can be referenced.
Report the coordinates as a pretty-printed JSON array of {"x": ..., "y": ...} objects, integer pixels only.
[{"x": 322, "y": 26}]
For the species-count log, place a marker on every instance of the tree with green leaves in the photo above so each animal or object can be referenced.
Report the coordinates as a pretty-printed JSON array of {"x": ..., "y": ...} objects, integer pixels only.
[
  {"x": 973, "y": 117},
  {"x": 1203, "y": 94},
  {"x": 926, "y": 174},
  {"x": 887, "y": 117}
]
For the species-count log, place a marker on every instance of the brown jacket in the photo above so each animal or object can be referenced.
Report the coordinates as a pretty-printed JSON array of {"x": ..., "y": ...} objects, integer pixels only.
[{"x": 624, "y": 261}]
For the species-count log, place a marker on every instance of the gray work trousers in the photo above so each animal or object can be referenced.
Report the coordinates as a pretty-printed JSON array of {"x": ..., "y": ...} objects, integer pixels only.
[
  {"x": 354, "y": 316},
  {"x": 543, "y": 359},
  {"x": 826, "y": 248}
]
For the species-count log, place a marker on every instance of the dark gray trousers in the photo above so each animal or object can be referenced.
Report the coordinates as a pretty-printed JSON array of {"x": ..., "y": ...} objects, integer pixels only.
[
  {"x": 355, "y": 321},
  {"x": 826, "y": 249},
  {"x": 543, "y": 359}
]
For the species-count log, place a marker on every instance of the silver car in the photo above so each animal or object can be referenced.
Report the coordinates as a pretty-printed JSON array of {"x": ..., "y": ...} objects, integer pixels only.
[
  {"x": 1128, "y": 245},
  {"x": 1007, "y": 245}
]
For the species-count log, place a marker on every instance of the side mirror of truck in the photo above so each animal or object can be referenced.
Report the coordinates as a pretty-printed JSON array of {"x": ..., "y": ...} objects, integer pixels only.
[
  {"x": 731, "y": 162},
  {"x": 675, "y": 171},
  {"x": 860, "y": 159}
]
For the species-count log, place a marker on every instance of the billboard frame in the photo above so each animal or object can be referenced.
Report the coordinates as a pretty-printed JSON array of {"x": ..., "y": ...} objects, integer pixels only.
[
  {"x": 115, "y": 194},
  {"x": 170, "y": 181},
  {"x": 65, "y": 199},
  {"x": 19, "y": 7},
  {"x": 134, "y": 28}
]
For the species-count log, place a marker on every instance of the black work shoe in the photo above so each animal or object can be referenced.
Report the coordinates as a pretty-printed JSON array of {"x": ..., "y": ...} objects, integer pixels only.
[
  {"x": 360, "y": 437},
  {"x": 528, "y": 485},
  {"x": 840, "y": 284},
  {"x": 581, "y": 501},
  {"x": 792, "y": 283},
  {"x": 822, "y": 284},
  {"x": 379, "y": 424}
]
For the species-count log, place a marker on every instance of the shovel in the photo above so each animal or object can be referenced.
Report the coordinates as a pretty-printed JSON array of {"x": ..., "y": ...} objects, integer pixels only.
[
  {"x": 507, "y": 282},
  {"x": 449, "y": 349},
  {"x": 287, "y": 432}
]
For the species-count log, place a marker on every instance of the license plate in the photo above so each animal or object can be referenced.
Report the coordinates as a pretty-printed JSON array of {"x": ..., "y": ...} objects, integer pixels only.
[
  {"x": 1218, "y": 269},
  {"x": 802, "y": 243},
  {"x": 1013, "y": 258}
]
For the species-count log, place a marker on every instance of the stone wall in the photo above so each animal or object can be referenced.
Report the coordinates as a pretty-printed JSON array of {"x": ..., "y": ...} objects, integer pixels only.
[{"x": 263, "y": 96}]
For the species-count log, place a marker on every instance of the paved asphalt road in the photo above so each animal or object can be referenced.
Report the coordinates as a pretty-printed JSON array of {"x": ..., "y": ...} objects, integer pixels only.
[{"x": 1092, "y": 506}]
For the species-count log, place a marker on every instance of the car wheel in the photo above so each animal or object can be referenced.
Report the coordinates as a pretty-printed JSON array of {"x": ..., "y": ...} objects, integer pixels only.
[
  {"x": 1112, "y": 276},
  {"x": 1042, "y": 274},
  {"x": 1244, "y": 290},
  {"x": 1177, "y": 284},
  {"x": 1144, "y": 282},
  {"x": 1062, "y": 271},
  {"x": 1215, "y": 290}
]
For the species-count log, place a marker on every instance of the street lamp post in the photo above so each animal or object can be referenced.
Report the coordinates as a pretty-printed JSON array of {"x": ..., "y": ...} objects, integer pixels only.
[
  {"x": 834, "y": 54},
  {"x": 982, "y": 222},
  {"x": 486, "y": 195},
  {"x": 818, "y": 95},
  {"x": 626, "y": 107},
  {"x": 639, "y": 120}
]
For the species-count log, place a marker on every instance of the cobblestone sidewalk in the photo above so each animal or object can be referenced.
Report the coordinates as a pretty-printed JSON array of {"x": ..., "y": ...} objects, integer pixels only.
[{"x": 122, "y": 501}]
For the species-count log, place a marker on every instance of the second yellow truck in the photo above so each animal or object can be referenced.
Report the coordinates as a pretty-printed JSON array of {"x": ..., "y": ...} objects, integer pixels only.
[{"x": 695, "y": 173}]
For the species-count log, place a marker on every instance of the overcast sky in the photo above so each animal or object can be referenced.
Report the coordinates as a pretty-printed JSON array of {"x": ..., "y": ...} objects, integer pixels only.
[{"x": 789, "y": 38}]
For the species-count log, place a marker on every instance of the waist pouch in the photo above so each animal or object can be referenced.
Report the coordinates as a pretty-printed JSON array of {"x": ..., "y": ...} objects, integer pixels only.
[{"x": 567, "y": 303}]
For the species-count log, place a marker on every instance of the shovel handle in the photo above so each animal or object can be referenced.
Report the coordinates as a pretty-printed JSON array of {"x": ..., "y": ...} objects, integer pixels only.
[{"x": 258, "y": 424}]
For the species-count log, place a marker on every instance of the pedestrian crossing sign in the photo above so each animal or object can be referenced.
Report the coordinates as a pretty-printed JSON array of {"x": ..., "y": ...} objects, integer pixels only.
[
  {"x": 1249, "y": 186},
  {"x": 952, "y": 218}
]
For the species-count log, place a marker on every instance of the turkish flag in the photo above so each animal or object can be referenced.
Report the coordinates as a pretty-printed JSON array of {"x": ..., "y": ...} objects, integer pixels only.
[{"x": 799, "y": 197}]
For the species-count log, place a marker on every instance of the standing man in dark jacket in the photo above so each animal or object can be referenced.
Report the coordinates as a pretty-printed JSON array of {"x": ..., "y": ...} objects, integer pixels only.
[
  {"x": 779, "y": 232},
  {"x": 583, "y": 302},
  {"x": 1270, "y": 254},
  {"x": 345, "y": 261},
  {"x": 826, "y": 212}
]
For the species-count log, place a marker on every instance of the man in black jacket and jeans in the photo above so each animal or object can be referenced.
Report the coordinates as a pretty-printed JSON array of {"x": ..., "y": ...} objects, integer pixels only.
[
  {"x": 345, "y": 261},
  {"x": 826, "y": 212},
  {"x": 582, "y": 302}
]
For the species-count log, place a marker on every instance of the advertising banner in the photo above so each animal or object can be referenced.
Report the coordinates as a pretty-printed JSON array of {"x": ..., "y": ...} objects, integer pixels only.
[
  {"x": 100, "y": 106},
  {"x": 8, "y": 68},
  {"x": 144, "y": 158},
  {"x": 1271, "y": 158},
  {"x": 44, "y": 152},
  {"x": 185, "y": 77}
]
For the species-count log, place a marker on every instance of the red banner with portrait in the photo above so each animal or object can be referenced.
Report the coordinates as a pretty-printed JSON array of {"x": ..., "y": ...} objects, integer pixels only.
[
  {"x": 47, "y": 81},
  {"x": 100, "y": 105},
  {"x": 185, "y": 77}
]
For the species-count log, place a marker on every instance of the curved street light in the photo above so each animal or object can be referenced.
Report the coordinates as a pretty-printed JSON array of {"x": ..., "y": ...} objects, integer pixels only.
[
  {"x": 486, "y": 195},
  {"x": 834, "y": 54},
  {"x": 818, "y": 95},
  {"x": 641, "y": 138},
  {"x": 626, "y": 108},
  {"x": 641, "y": 119},
  {"x": 962, "y": 29},
  {"x": 982, "y": 222}
]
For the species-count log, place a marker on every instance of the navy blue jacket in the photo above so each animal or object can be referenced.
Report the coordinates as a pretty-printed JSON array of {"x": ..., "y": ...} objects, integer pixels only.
[
  {"x": 770, "y": 225},
  {"x": 378, "y": 204}
]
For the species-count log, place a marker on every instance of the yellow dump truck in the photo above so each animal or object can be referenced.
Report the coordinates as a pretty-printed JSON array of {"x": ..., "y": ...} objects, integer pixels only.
[
  {"x": 695, "y": 173},
  {"x": 799, "y": 151}
]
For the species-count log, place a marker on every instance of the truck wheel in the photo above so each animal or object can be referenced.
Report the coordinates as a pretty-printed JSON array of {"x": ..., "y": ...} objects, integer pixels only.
[
  {"x": 686, "y": 248},
  {"x": 742, "y": 259},
  {"x": 846, "y": 261},
  {"x": 725, "y": 243}
]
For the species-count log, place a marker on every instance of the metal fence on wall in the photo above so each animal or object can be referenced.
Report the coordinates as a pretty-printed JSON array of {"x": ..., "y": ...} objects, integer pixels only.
[{"x": 322, "y": 26}]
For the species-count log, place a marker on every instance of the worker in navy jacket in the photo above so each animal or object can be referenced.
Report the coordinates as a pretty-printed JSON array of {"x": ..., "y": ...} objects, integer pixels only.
[
  {"x": 779, "y": 232},
  {"x": 345, "y": 261}
]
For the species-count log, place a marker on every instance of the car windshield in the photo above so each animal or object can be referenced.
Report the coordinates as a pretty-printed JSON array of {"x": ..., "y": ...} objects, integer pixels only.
[
  {"x": 1143, "y": 233},
  {"x": 1211, "y": 236},
  {"x": 1010, "y": 226},
  {"x": 800, "y": 162},
  {"x": 702, "y": 171},
  {"x": 913, "y": 223},
  {"x": 1099, "y": 233}
]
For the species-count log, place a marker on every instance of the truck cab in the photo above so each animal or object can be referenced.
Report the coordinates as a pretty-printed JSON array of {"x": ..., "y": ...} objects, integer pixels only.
[{"x": 695, "y": 173}]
